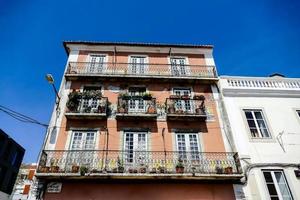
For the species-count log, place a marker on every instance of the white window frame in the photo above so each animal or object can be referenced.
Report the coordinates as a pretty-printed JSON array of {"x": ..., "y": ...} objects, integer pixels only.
[
  {"x": 135, "y": 150},
  {"x": 184, "y": 102},
  {"x": 187, "y": 144},
  {"x": 252, "y": 110},
  {"x": 84, "y": 134},
  {"x": 146, "y": 64},
  {"x": 82, "y": 89},
  {"x": 137, "y": 102},
  {"x": 104, "y": 67},
  {"x": 186, "y": 60},
  {"x": 276, "y": 184}
]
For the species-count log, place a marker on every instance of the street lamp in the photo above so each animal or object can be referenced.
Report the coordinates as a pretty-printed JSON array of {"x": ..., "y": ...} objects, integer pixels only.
[{"x": 50, "y": 80}]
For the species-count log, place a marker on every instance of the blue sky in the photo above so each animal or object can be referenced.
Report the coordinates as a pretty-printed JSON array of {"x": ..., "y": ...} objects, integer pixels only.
[{"x": 253, "y": 38}]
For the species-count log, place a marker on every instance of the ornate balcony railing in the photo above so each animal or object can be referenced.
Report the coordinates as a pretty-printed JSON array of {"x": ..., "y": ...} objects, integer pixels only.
[
  {"x": 136, "y": 105},
  {"x": 186, "y": 106},
  {"x": 141, "y": 70},
  {"x": 87, "y": 105},
  {"x": 142, "y": 162}
]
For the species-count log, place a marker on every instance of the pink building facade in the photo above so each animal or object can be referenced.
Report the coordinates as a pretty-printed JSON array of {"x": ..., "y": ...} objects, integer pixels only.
[{"x": 137, "y": 121}]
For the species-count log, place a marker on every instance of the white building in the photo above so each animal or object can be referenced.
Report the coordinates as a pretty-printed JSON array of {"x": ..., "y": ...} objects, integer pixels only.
[{"x": 262, "y": 123}]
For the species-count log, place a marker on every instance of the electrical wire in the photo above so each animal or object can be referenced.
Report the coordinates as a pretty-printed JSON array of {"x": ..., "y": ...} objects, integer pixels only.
[{"x": 20, "y": 117}]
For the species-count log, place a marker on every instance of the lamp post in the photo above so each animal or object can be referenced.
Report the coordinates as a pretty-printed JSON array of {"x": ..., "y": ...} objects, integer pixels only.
[{"x": 50, "y": 80}]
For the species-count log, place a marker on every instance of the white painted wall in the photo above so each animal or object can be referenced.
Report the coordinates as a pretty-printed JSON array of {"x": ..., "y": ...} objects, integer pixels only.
[
  {"x": 280, "y": 115},
  {"x": 4, "y": 196}
]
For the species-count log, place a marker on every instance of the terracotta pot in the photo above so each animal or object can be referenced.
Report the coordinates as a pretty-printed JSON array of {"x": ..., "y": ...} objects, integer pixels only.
[
  {"x": 151, "y": 110},
  {"x": 75, "y": 169},
  {"x": 179, "y": 170},
  {"x": 143, "y": 170},
  {"x": 54, "y": 169},
  {"x": 228, "y": 170}
]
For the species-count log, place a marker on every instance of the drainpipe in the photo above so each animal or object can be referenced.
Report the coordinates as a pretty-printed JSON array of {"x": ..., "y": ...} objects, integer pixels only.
[
  {"x": 163, "y": 136},
  {"x": 106, "y": 152}
]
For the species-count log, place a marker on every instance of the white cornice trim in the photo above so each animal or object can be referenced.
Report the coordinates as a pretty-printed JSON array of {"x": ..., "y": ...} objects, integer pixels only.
[{"x": 260, "y": 93}]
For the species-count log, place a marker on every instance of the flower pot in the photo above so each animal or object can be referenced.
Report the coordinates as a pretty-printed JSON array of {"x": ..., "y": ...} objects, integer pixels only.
[
  {"x": 45, "y": 169},
  {"x": 143, "y": 170},
  {"x": 151, "y": 110},
  {"x": 174, "y": 97},
  {"x": 219, "y": 170},
  {"x": 179, "y": 170},
  {"x": 54, "y": 169},
  {"x": 121, "y": 169},
  {"x": 121, "y": 110},
  {"x": 228, "y": 170},
  {"x": 75, "y": 169},
  {"x": 199, "y": 111},
  {"x": 115, "y": 170}
]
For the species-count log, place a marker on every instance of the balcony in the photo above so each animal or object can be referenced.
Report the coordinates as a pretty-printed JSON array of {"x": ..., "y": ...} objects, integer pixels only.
[
  {"x": 141, "y": 71},
  {"x": 139, "y": 164},
  {"x": 185, "y": 108},
  {"x": 136, "y": 107},
  {"x": 86, "y": 106}
]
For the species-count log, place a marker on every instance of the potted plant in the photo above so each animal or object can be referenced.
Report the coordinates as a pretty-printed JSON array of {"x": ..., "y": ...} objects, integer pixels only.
[
  {"x": 120, "y": 165},
  {"x": 179, "y": 111},
  {"x": 161, "y": 169},
  {"x": 73, "y": 101},
  {"x": 219, "y": 170},
  {"x": 151, "y": 109},
  {"x": 179, "y": 166},
  {"x": 53, "y": 167},
  {"x": 124, "y": 96},
  {"x": 75, "y": 168},
  {"x": 228, "y": 170},
  {"x": 199, "y": 111},
  {"x": 153, "y": 170},
  {"x": 83, "y": 170},
  {"x": 143, "y": 168},
  {"x": 147, "y": 96},
  {"x": 44, "y": 169}
]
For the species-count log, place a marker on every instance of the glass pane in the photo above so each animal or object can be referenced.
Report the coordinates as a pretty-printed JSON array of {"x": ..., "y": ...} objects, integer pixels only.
[
  {"x": 251, "y": 123},
  {"x": 248, "y": 115},
  {"x": 274, "y": 198},
  {"x": 258, "y": 115},
  {"x": 268, "y": 177},
  {"x": 272, "y": 189}
]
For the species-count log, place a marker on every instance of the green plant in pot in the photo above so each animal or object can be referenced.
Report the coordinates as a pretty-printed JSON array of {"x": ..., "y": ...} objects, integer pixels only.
[
  {"x": 120, "y": 165},
  {"x": 53, "y": 166},
  {"x": 147, "y": 96},
  {"x": 179, "y": 166},
  {"x": 83, "y": 170},
  {"x": 171, "y": 108},
  {"x": 73, "y": 101}
]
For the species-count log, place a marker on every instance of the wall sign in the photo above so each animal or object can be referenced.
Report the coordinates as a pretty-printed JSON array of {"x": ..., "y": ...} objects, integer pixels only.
[{"x": 54, "y": 187}]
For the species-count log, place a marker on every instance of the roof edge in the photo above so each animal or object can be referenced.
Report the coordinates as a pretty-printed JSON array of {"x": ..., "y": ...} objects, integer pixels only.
[{"x": 141, "y": 44}]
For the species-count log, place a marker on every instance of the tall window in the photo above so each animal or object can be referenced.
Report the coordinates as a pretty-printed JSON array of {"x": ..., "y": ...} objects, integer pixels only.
[
  {"x": 96, "y": 63},
  {"x": 257, "y": 124},
  {"x": 135, "y": 145},
  {"x": 136, "y": 103},
  {"x": 83, "y": 140},
  {"x": 178, "y": 66},
  {"x": 137, "y": 64},
  {"x": 277, "y": 185},
  {"x": 188, "y": 146},
  {"x": 184, "y": 105}
]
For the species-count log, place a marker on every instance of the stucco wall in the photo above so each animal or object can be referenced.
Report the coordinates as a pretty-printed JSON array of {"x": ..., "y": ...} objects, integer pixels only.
[{"x": 79, "y": 191}]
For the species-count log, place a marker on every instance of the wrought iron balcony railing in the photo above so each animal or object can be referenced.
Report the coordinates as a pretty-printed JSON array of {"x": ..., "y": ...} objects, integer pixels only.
[
  {"x": 149, "y": 162},
  {"x": 186, "y": 106},
  {"x": 136, "y": 105},
  {"x": 87, "y": 105},
  {"x": 141, "y": 70}
]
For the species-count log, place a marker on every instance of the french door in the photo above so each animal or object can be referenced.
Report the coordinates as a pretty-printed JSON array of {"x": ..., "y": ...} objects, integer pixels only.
[
  {"x": 135, "y": 147},
  {"x": 96, "y": 63},
  {"x": 178, "y": 67},
  {"x": 182, "y": 104},
  {"x": 136, "y": 103},
  {"x": 82, "y": 147},
  {"x": 137, "y": 65},
  {"x": 188, "y": 146}
]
